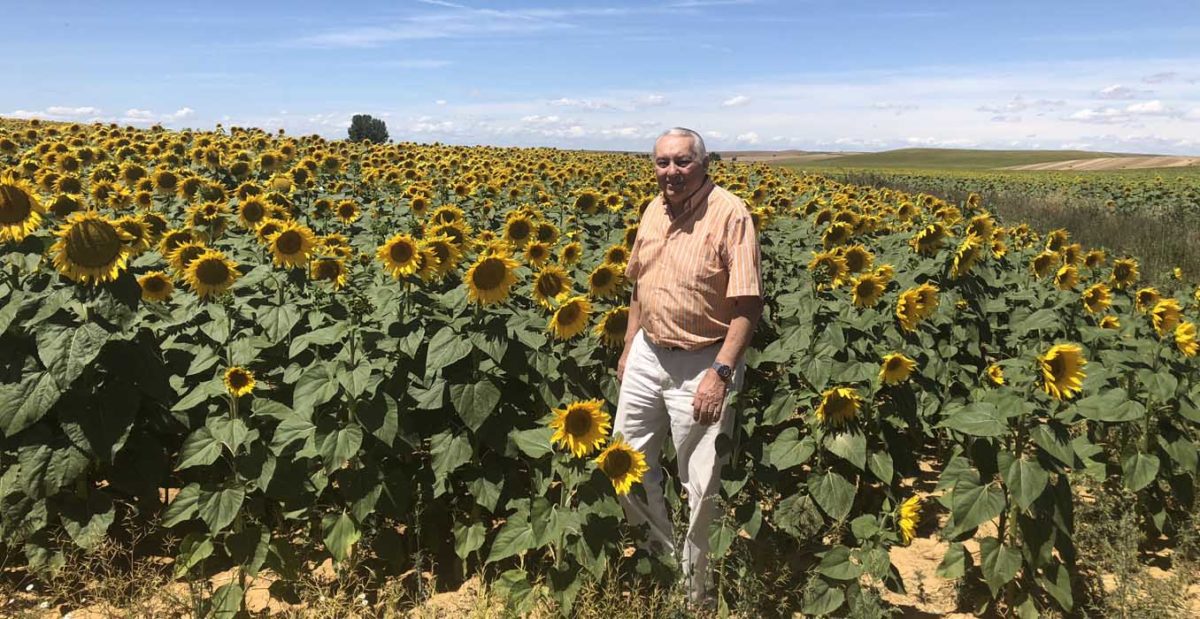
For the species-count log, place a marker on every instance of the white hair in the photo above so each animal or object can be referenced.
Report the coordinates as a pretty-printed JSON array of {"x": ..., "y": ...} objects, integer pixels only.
[{"x": 698, "y": 149}]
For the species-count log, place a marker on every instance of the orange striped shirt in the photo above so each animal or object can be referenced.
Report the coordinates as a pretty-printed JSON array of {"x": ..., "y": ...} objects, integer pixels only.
[{"x": 688, "y": 267}]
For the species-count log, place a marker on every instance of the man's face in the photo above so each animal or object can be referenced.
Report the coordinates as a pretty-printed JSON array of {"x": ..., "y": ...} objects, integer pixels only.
[{"x": 679, "y": 173}]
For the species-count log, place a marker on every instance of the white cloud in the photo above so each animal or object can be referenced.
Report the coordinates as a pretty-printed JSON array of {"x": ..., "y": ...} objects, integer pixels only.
[
  {"x": 1160, "y": 77},
  {"x": 1006, "y": 118},
  {"x": 897, "y": 108},
  {"x": 136, "y": 114},
  {"x": 440, "y": 102},
  {"x": 72, "y": 112},
  {"x": 715, "y": 135},
  {"x": 1151, "y": 108},
  {"x": 583, "y": 104},
  {"x": 749, "y": 137},
  {"x": 651, "y": 101},
  {"x": 1117, "y": 91},
  {"x": 1104, "y": 115},
  {"x": 736, "y": 101},
  {"x": 1021, "y": 104}
]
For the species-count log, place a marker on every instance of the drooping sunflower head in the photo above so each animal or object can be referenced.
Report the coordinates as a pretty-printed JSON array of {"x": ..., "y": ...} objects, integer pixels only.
[
  {"x": 571, "y": 318},
  {"x": 1185, "y": 338},
  {"x": 137, "y": 234},
  {"x": 1066, "y": 277},
  {"x": 551, "y": 285},
  {"x": 211, "y": 274},
  {"x": 330, "y": 270},
  {"x": 1094, "y": 259},
  {"x": 1045, "y": 263},
  {"x": 1110, "y": 322},
  {"x": 90, "y": 249},
  {"x": 995, "y": 373},
  {"x": 828, "y": 269},
  {"x": 1062, "y": 370},
  {"x": 239, "y": 381},
  {"x": 838, "y": 233},
  {"x": 982, "y": 226},
  {"x": 908, "y": 516},
  {"x": 1146, "y": 298},
  {"x": 547, "y": 233},
  {"x": 156, "y": 286},
  {"x": 292, "y": 246},
  {"x": 616, "y": 254},
  {"x": 20, "y": 210},
  {"x": 1165, "y": 316},
  {"x": 606, "y": 281},
  {"x": 929, "y": 239},
  {"x": 1097, "y": 298},
  {"x": 172, "y": 239},
  {"x": 491, "y": 279},
  {"x": 858, "y": 258},
  {"x": 838, "y": 406},
  {"x": 623, "y": 465},
  {"x": 927, "y": 299},
  {"x": 896, "y": 368},
  {"x": 1125, "y": 273},
  {"x": 1056, "y": 240},
  {"x": 867, "y": 289},
  {"x": 611, "y": 328},
  {"x": 908, "y": 309},
  {"x": 570, "y": 253},
  {"x": 580, "y": 427},
  {"x": 968, "y": 254}
]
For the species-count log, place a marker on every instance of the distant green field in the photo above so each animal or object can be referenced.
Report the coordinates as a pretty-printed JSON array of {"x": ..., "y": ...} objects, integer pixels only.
[{"x": 951, "y": 158}]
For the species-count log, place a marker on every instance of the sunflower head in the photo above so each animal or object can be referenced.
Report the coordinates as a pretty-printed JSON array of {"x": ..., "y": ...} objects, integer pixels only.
[
  {"x": 612, "y": 326},
  {"x": 447, "y": 252},
  {"x": 1066, "y": 277},
  {"x": 1185, "y": 338},
  {"x": 1146, "y": 298},
  {"x": 895, "y": 368},
  {"x": 211, "y": 274},
  {"x": 252, "y": 211},
  {"x": 995, "y": 374},
  {"x": 518, "y": 230},
  {"x": 908, "y": 309},
  {"x": 1045, "y": 263},
  {"x": 1165, "y": 316},
  {"x": 838, "y": 406},
  {"x": 1062, "y": 370},
  {"x": 571, "y": 318},
  {"x": 1110, "y": 322},
  {"x": 330, "y": 270},
  {"x": 929, "y": 240},
  {"x": 239, "y": 381},
  {"x": 551, "y": 285},
  {"x": 616, "y": 254},
  {"x": 606, "y": 281},
  {"x": 90, "y": 249},
  {"x": 570, "y": 253},
  {"x": 968, "y": 254},
  {"x": 1125, "y": 273},
  {"x": 491, "y": 279},
  {"x": 1097, "y": 298},
  {"x": 156, "y": 286},
  {"x": 908, "y": 516},
  {"x": 623, "y": 465},
  {"x": 867, "y": 290},
  {"x": 292, "y": 245},
  {"x": 838, "y": 233},
  {"x": 537, "y": 253},
  {"x": 581, "y": 427},
  {"x": 347, "y": 211},
  {"x": 1094, "y": 259},
  {"x": 20, "y": 210},
  {"x": 828, "y": 269}
]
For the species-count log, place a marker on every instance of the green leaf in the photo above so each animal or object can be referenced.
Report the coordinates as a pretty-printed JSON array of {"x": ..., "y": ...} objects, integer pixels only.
[
  {"x": 217, "y": 508},
  {"x": 321, "y": 337},
  {"x": 1111, "y": 406},
  {"x": 66, "y": 351},
  {"x": 23, "y": 404},
  {"x": 227, "y": 601},
  {"x": 1057, "y": 582},
  {"x": 821, "y": 599},
  {"x": 249, "y": 548},
  {"x": 850, "y": 446},
  {"x": 199, "y": 449},
  {"x": 194, "y": 548},
  {"x": 341, "y": 445},
  {"x": 232, "y": 433},
  {"x": 468, "y": 539},
  {"x": 998, "y": 562},
  {"x": 1160, "y": 385},
  {"x": 291, "y": 428},
  {"x": 277, "y": 320},
  {"x": 976, "y": 419},
  {"x": 880, "y": 463},
  {"x": 836, "y": 564},
  {"x": 534, "y": 443},
  {"x": 199, "y": 395},
  {"x": 340, "y": 535},
  {"x": 87, "y": 523},
  {"x": 445, "y": 348},
  {"x": 357, "y": 380},
  {"x": 514, "y": 585},
  {"x": 864, "y": 527},
  {"x": 789, "y": 450},
  {"x": 1182, "y": 451},
  {"x": 780, "y": 409},
  {"x": 954, "y": 563},
  {"x": 316, "y": 386},
  {"x": 183, "y": 507},
  {"x": 832, "y": 493},
  {"x": 449, "y": 451},
  {"x": 975, "y": 504},
  {"x": 1138, "y": 470},
  {"x": 1026, "y": 479},
  {"x": 1055, "y": 441},
  {"x": 515, "y": 538},
  {"x": 475, "y": 402}
]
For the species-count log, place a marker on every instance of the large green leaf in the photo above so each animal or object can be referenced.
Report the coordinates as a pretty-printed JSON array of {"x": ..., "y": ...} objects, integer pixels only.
[
  {"x": 789, "y": 450},
  {"x": 1026, "y": 479},
  {"x": 67, "y": 351},
  {"x": 183, "y": 507},
  {"x": 1138, "y": 470},
  {"x": 449, "y": 451},
  {"x": 249, "y": 548},
  {"x": 1111, "y": 406},
  {"x": 199, "y": 449},
  {"x": 277, "y": 320},
  {"x": 534, "y": 443},
  {"x": 341, "y": 445},
  {"x": 445, "y": 348},
  {"x": 194, "y": 548},
  {"x": 976, "y": 419},
  {"x": 974, "y": 504},
  {"x": 836, "y": 564},
  {"x": 515, "y": 538},
  {"x": 227, "y": 601},
  {"x": 821, "y": 599},
  {"x": 218, "y": 507},
  {"x": 340, "y": 535},
  {"x": 998, "y": 562},
  {"x": 468, "y": 539},
  {"x": 87, "y": 522},
  {"x": 832, "y": 493},
  {"x": 850, "y": 446},
  {"x": 475, "y": 402},
  {"x": 316, "y": 386},
  {"x": 23, "y": 404}
]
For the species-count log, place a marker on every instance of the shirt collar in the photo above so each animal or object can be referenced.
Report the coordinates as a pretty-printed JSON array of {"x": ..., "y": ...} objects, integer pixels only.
[{"x": 690, "y": 203}]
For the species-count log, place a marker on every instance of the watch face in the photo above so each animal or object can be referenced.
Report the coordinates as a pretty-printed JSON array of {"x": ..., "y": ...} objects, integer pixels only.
[{"x": 724, "y": 371}]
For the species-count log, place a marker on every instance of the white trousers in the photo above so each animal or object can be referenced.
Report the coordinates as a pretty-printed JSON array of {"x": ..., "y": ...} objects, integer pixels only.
[{"x": 656, "y": 396}]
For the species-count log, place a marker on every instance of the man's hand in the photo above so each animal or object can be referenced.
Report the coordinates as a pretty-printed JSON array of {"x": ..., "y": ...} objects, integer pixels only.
[{"x": 709, "y": 402}]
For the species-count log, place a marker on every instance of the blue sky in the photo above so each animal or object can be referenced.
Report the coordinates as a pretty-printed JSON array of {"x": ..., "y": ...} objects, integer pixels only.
[{"x": 749, "y": 74}]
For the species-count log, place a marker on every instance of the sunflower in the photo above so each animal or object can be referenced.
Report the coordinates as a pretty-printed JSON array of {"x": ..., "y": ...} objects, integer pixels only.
[
  {"x": 885, "y": 273},
  {"x": 20, "y": 210},
  {"x": 611, "y": 328},
  {"x": 838, "y": 405},
  {"x": 252, "y": 211},
  {"x": 1066, "y": 277},
  {"x": 537, "y": 253},
  {"x": 427, "y": 263},
  {"x": 838, "y": 233},
  {"x": 448, "y": 254},
  {"x": 927, "y": 299},
  {"x": 995, "y": 373},
  {"x": 239, "y": 381},
  {"x": 1110, "y": 322},
  {"x": 587, "y": 201},
  {"x": 90, "y": 249},
  {"x": 616, "y": 254},
  {"x": 896, "y": 368},
  {"x": 929, "y": 239},
  {"x": 867, "y": 289},
  {"x": 1094, "y": 259},
  {"x": 172, "y": 239},
  {"x": 63, "y": 205},
  {"x": 1146, "y": 298},
  {"x": 571, "y": 318},
  {"x": 518, "y": 230},
  {"x": 570, "y": 253},
  {"x": 1057, "y": 239},
  {"x": 999, "y": 249},
  {"x": 551, "y": 285},
  {"x": 156, "y": 286},
  {"x": 1097, "y": 298},
  {"x": 1044, "y": 264},
  {"x": 1062, "y": 370},
  {"x": 1124, "y": 273},
  {"x": 969, "y": 252},
  {"x": 547, "y": 233},
  {"x": 908, "y": 309},
  {"x": 185, "y": 254},
  {"x": 211, "y": 274},
  {"x": 581, "y": 427},
  {"x": 982, "y": 226},
  {"x": 1165, "y": 316},
  {"x": 623, "y": 465},
  {"x": 265, "y": 230},
  {"x": 292, "y": 245},
  {"x": 908, "y": 515},
  {"x": 606, "y": 281},
  {"x": 828, "y": 269},
  {"x": 490, "y": 279},
  {"x": 332, "y": 270},
  {"x": 348, "y": 211},
  {"x": 858, "y": 258},
  {"x": 1185, "y": 338}
]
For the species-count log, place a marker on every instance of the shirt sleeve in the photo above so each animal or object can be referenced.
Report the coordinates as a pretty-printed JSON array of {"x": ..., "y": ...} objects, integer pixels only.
[
  {"x": 742, "y": 258},
  {"x": 634, "y": 266}
]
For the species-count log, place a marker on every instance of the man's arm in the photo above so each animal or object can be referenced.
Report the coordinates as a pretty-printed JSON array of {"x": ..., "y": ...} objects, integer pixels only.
[
  {"x": 709, "y": 402},
  {"x": 631, "y": 329}
]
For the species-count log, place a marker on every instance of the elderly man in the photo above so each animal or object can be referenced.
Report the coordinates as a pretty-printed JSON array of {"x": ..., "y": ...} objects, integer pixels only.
[{"x": 697, "y": 297}]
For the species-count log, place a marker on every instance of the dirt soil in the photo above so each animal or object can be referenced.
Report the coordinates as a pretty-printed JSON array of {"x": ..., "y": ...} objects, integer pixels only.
[{"x": 1112, "y": 163}]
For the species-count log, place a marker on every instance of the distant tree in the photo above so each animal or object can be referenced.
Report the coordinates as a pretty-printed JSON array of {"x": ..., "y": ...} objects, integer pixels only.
[
  {"x": 365, "y": 127},
  {"x": 714, "y": 156}
]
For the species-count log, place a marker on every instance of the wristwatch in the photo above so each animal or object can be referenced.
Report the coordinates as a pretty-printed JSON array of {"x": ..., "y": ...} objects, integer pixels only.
[{"x": 723, "y": 371}]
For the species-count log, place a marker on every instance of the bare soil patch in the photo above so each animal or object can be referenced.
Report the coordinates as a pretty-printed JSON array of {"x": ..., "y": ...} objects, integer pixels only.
[{"x": 1112, "y": 163}]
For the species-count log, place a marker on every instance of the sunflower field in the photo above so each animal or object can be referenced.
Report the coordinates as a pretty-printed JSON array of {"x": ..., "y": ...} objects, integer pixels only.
[{"x": 279, "y": 350}]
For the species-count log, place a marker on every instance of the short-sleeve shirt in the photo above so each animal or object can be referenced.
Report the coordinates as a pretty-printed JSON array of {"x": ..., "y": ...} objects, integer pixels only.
[{"x": 688, "y": 266}]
